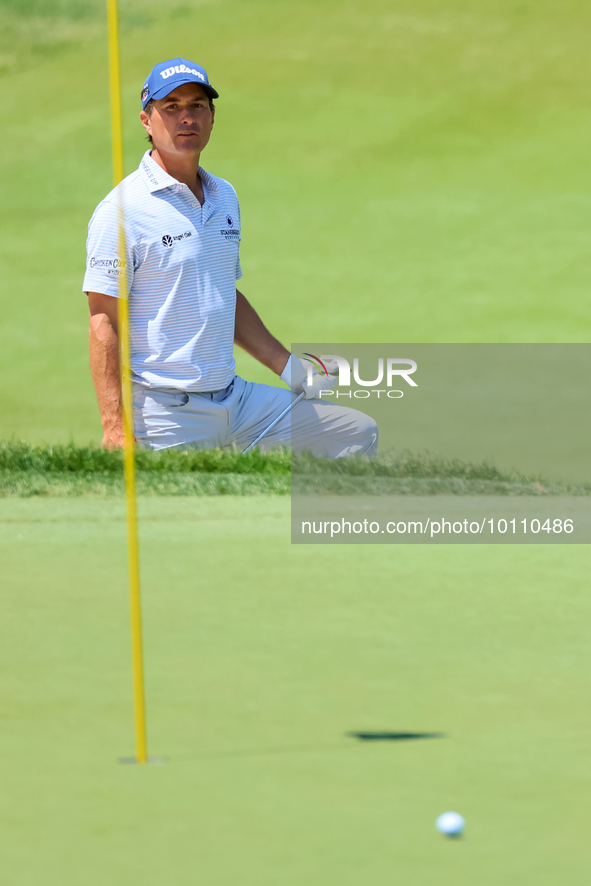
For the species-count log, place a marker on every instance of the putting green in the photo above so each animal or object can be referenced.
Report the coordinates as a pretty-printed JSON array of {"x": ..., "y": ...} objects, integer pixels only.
[{"x": 260, "y": 657}]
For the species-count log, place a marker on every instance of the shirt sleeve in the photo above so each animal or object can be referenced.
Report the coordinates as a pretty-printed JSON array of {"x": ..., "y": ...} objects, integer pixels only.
[
  {"x": 238, "y": 268},
  {"x": 104, "y": 264}
]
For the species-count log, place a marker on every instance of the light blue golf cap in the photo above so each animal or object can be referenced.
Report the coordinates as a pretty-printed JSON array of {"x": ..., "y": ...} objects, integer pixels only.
[{"x": 166, "y": 76}]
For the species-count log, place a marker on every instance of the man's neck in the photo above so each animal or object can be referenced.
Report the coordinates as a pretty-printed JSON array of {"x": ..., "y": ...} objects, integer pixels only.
[{"x": 184, "y": 169}]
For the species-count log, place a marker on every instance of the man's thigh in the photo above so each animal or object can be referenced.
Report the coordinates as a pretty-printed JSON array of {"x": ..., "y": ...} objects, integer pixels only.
[
  {"x": 252, "y": 409},
  {"x": 174, "y": 419},
  {"x": 185, "y": 420},
  {"x": 315, "y": 426}
]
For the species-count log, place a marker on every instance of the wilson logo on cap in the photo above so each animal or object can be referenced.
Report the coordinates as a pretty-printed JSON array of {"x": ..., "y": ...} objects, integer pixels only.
[
  {"x": 174, "y": 72},
  {"x": 181, "y": 69}
]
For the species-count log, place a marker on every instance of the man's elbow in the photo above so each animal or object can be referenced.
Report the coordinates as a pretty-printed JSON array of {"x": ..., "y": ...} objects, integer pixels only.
[
  {"x": 101, "y": 326},
  {"x": 103, "y": 308}
]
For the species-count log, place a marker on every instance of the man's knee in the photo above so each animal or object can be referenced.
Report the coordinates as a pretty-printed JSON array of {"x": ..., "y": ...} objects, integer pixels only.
[
  {"x": 366, "y": 437},
  {"x": 357, "y": 434},
  {"x": 327, "y": 430}
]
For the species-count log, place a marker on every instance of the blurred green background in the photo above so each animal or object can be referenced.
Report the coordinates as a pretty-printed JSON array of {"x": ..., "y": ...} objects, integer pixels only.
[{"x": 408, "y": 171}]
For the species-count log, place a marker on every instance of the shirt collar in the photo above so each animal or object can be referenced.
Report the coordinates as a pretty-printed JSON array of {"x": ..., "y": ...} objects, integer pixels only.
[
  {"x": 157, "y": 179},
  {"x": 210, "y": 183}
]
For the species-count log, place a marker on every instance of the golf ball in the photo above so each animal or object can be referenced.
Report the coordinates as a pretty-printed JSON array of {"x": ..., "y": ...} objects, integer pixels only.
[{"x": 450, "y": 823}]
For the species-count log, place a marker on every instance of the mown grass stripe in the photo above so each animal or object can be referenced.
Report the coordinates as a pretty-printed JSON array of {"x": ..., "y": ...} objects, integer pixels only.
[
  {"x": 27, "y": 470},
  {"x": 90, "y": 459},
  {"x": 84, "y": 459},
  {"x": 38, "y": 485}
]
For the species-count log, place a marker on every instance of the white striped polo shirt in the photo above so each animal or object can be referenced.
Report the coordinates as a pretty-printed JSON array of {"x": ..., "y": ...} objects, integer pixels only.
[{"x": 182, "y": 264}]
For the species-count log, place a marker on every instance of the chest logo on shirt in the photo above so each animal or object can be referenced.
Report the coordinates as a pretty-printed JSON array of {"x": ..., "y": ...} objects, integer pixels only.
[
  {"x": 168, "y": 240},
  {"x": 230, "y": 233}
]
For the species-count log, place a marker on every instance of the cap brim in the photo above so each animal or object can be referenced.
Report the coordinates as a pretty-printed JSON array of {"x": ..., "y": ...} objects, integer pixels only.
[{"x": 170, "y": 87}]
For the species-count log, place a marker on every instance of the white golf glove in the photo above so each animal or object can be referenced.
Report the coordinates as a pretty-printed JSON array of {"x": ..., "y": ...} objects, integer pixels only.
[{"x": 297, "y": 376}]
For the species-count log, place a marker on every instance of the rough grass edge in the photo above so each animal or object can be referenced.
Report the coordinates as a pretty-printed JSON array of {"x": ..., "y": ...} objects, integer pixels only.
[
  {"x": 35, "y": 485},
  {"x": 69, "y": 470}
]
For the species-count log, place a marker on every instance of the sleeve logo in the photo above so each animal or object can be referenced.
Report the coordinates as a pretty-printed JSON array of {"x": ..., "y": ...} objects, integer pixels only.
[{"x": 111, "y": 263}]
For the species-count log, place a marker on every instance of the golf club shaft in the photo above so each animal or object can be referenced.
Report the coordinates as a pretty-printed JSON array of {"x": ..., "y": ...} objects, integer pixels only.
[{"x": 274, "y": 422}]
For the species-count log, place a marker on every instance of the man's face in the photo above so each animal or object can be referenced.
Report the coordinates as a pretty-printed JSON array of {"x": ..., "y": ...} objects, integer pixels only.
[{"x": 181, "y": 122}]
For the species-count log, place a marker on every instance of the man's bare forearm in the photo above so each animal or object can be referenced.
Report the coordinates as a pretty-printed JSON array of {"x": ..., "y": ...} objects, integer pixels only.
[
  {"x": 103, "y": 342},
  {"x": 252, "y": 335}
]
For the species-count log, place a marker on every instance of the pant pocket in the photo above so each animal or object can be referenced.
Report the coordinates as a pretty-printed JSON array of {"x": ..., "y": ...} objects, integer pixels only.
[
  {"x": 157, "y": 401},
  {"x": 176, "y": 400}
]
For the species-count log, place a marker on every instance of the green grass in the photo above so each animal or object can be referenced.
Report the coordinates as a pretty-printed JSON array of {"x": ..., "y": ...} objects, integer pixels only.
[
  {"x": 31, "y": 484},
  {"x": 405, "y": 473},
  {"x": 260, "y": 658},
  {"x": 72, "y": 459},
  {"x": 27, "y": 470},
  {"x": 70, "y": 470}
]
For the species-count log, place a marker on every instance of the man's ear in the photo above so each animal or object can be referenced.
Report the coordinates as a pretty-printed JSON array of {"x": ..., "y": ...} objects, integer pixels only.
[{"x": 146, "y": 122}]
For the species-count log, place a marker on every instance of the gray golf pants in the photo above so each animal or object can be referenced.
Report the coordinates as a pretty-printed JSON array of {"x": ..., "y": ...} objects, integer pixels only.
[{"x": 235, "y": 416}]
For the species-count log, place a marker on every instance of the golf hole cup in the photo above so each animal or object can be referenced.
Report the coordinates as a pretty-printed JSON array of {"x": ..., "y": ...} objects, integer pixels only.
[{"x": 451, "y": 824}]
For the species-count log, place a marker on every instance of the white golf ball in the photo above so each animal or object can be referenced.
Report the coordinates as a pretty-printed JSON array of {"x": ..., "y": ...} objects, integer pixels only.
[{"x": 450, "y": 823}]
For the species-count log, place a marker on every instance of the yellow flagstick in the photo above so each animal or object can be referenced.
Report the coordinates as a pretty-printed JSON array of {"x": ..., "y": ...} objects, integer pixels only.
[{"x": 132, "y": 538}]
